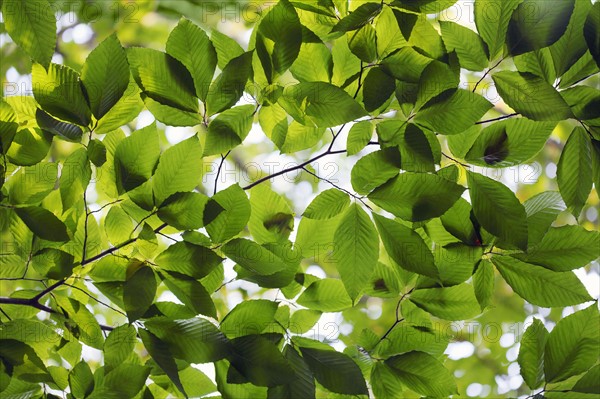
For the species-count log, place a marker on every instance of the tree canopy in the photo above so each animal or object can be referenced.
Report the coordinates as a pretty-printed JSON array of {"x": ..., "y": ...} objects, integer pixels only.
[{"x": 299, "y": 199}]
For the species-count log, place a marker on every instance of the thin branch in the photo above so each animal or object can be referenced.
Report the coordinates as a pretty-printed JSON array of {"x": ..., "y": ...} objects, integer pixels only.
[
  {"x": 456, "y": 161},
  {"x": 497, "y": 119},
  {"x": 85, "y": 225},
  {"x": 486, "y": 73},
  {"x": 5, "y": 315},
  {"x": 296, "y": 167},
  {"x": 95, "y": 299},
  {"x": 142, "y": 221},
  {"x": 219, "y": 170},
  {"x": 26, "y": 302},
  {"x": 105, "y": 205},
  {"x": 338, "y": 187}
]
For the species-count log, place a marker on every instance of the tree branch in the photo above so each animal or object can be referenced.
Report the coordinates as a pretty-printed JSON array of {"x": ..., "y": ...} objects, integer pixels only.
[
  {"x": 497, "y": 119},
  {"x": 219, "y": 170}
]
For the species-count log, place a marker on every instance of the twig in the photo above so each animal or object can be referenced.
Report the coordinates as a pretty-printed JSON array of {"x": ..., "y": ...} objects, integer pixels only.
[
  {"x": 497, "y": 119},
  {"x": 456, "y": 161},
  {"x": 486, "y": 73},
  {"x": 219, "y": 170},
  {"x": 338, "y": 187},
  {"x": 95, "y": 299}
]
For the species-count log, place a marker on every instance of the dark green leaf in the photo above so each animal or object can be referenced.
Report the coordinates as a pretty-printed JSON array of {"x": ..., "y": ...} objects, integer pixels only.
[
  {"x": 105, "y": 75},
  {"x": 249, "y": 317},
  {"x": 531, "y": 354},
  {"x": 590, "y": 382},
  {"x": 138, "y": 292},
  {"x": 64, "y": 130},
  {"x": 327, "y": 295},
  {"x": 374, "y": 169},
  {"x": 483, "y": 284},
  {"x": 572, "y": 346},
  {"x": 591, "y": 32},
  {"x": 470, "y": 49},
  {"x": 81, "y": 380},
  {"x": 336, "y": 371},
  {"x": 417, "y": 196},
  {"x": 96, "y": 152},
  {"x": 119, "y": 346},
  {"x": 186, "y": 258},
  {"x": 378, "y": 87},
  {"x": 498, "y": 210},
  {"x": 536, "y": 24},
  {"x": 184, "y": 211},
  {"x": 43, "y": 223},
  {"x": 58, "y": 91},
  {"x": 423, "y": 373},
  {"x": 135, "y": 158},
  {"x": 492, "y": 18},
  {"x": 229, "y": 86},
  {"x": 227, "y": 213},
  {"x": 302, "y": 386},
  {"x": 192, "y": 294},
  {"x": 358, "y": 18},
  {"x": 228, "y": 130},
  {"x": 406, "y": 247},
  {"x": 451, "y": 303},
  {"x": 195, "y": 340},
  {"x": 574, "y": 173},
  {"x": 190, "y": 45}
]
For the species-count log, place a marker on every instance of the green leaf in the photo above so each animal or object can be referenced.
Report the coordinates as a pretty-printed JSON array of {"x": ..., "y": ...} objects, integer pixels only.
[
  {"x": 451, "y": 303},
  {"x": 374, "y": 169},
  {"x": 417, "y": 196},
  {"x": 127, "y": 380},
  {"x": 358, "y": 18},
  {"x": 574, "y": 172},
  {"x": 458, "y": 222},
  {"x": 163, "y": 78},
  {"x": 407, "y": 64},
  {"x": 226, "y": 47},
  {"x": 531, "y": 96},
  {"x": 470, "y": 49},
  {"x": 229, "y": 86},
  {"x": 572, "y": 346},
  {"x": 483, "y": 284},
  {"x": 356, "y": 249},
  {"x": 81, "y": 380},
  {"x": 539, "y": 63},
  {"x": 160, "y": 353},
  {"x": 336, "y": 371},
  {"x": 186, "y": 258},
  {"x": 124, "y": 111},
  {"x": 280, "y": 254},
  {"x": 105, "y": 75},
  {"x": 75, "y": 177},
  {"x": 136, "y": 157},
  {"x": 406, "y": 247},
  {"x": 259, "y": 360},
  {"x": 590, "y": 382},
  {"x": 249, "y": 317},
  {"x": 423, "y": 373},
  {"x": 31, "y": 184},
  {"x": 541, "y": 286},
  {"x": 492, "y": 18},
  {"x": 8, "y": 126},
  {"x": 510, "y": 142},
  {"x": 184, "y": 211},
  {"x": 271, "y": 219},
  {"x": 119, "y": 346},
  {"x": 253, "y": 257},
  {"x": 583, "y": 101},
  {"x": 564, "y": 248},
  {"x": 195, "y": 340},
  {"x": 363, "y": 43},
  {"x": 58, "y": 91},
  {"x": 64, "y": 130},
  {"x": 96, "y": 152},
  {"x": 359, "y": 136},
  {"x": 327, "y": 295},
  {"x": 138, "y": 292},
  {"x": 53, "y": 263},
  {"x": 281, "y": 26},
  {"x": 320, "y": 104},
  {"x": 302, "y": 386},
  {"x": 591, "y": 32},
  {"x": 542, "y": 209},
  {"x": 178, "y": 170},
  {"x": 192, "y": 294},
  {"x": 536, "y": 24},
  {"x": 228, "y": 130},
  {"x": 389, "y": 35},
  {"x": 190, "y": 45},
  {"x": 32, "y": 27},
  {"x": 227, "y": 213},
  {"x": 452, "y": 112},
  {"x": 571, "y": 45},
  {"x": 303, "y": 320},
  {"x": 385, "y": 383},
  {"x": 498, "y": 210},
  {"x": 378, "y": 87},
  {"x": 43, "y": 223},
  {"x": 531, "y": 354},
  {"x": 327, "y": 204}
]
